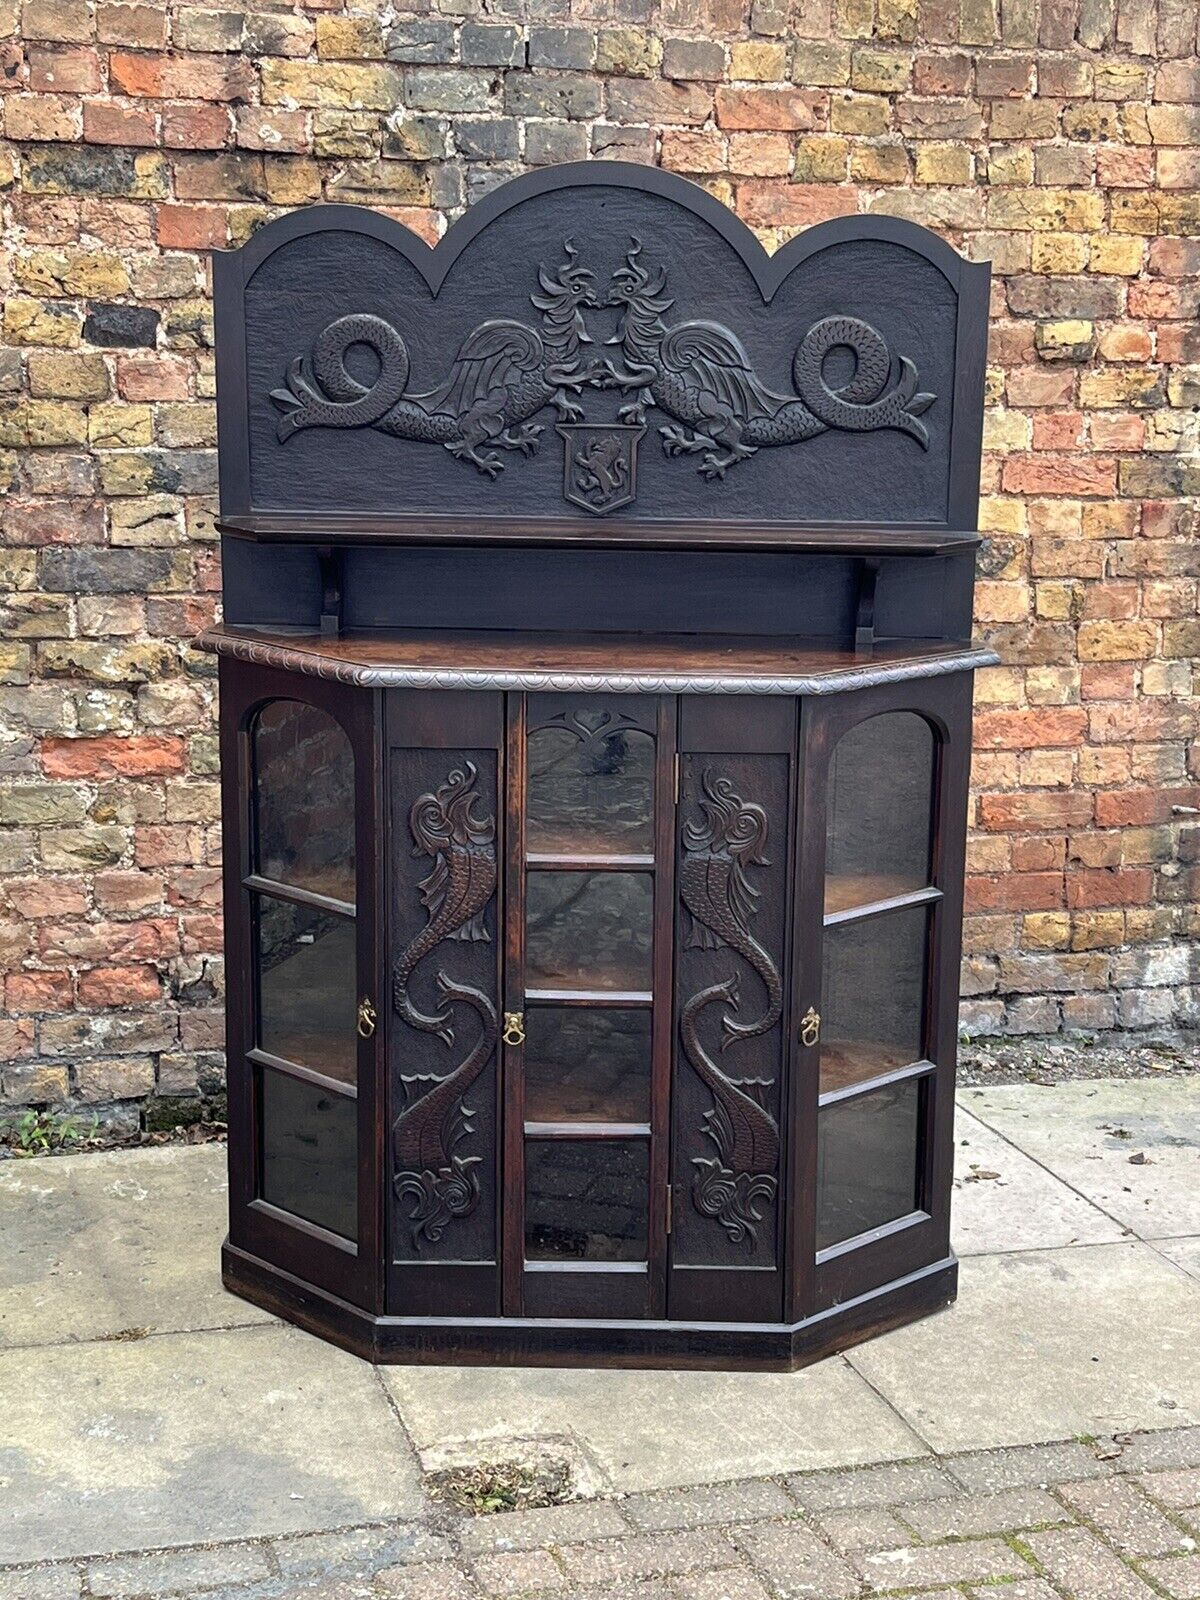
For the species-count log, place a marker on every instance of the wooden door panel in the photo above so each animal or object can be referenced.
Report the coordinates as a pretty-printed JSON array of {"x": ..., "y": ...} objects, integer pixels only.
[
  {"x": 731, "y": 960},
  {"x": 443, "y": 1003}
]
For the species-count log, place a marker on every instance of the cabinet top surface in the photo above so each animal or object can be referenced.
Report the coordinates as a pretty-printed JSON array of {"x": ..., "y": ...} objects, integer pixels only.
[{"x": 608, "y": 663}]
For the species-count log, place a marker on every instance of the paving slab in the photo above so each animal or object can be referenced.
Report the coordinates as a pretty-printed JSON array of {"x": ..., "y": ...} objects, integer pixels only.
[
  {"x": 654, "y": 1430},
  {"x": 1184, "y": 1253},
  {"x": 1044, "y": 1345},
  {"x": 1131, "y": 1146},
  {"x": 1004, "y": 1200},
  {"x": 183, "y": 1438},
  {"x": 95, "y": 1245}
]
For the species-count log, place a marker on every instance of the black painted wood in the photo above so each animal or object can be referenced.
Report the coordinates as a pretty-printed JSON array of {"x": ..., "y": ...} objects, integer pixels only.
[{"x": 595, "y": 454}]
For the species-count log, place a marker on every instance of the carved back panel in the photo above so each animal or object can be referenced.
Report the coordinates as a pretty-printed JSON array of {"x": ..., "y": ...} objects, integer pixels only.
[{"x": 600, "y": 342}]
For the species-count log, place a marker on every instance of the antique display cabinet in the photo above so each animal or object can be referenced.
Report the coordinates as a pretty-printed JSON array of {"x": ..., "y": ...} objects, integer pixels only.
[{"x": 596, "y": 703}]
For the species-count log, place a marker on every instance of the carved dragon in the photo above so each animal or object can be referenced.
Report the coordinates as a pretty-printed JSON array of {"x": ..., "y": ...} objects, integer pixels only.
[
  {"x": 445, "y": 826},
  {"x": 700, "y": 374},
  {"x": 720, "y": 899},
  {"x": 504, "y": 374}
]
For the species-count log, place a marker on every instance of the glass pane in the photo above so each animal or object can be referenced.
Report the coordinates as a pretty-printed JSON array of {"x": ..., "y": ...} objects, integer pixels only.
[
  {"x": 304, "y": 795},
  {"x": 590, "y": 790},
  {"x": 588, "y": 930},
  {"x": 587, "y": 1065},
  {"x": 879, "y": 807},
  {"x": 586, "y": 1200},
  {"x": 867, "y": 1161},
  {"x": 873, "y": 997},
  {"x": 306, "y": 987},
  {"x": 310, "y": 1152}
]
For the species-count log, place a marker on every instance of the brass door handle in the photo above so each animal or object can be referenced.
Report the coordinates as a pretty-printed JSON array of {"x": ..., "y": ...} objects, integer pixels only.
[
  {"x": 514, "y": 1028},
  {"x": 366, "y": 1018},
  {"x": 810, "y": 1027}
]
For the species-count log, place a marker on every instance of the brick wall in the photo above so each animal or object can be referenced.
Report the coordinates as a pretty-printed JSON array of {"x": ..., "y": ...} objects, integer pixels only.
[{"x": 1061, "y": 138}]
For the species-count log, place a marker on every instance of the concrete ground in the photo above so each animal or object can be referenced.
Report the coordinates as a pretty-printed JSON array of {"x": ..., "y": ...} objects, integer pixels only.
[{"x": 158, "y": 1436}]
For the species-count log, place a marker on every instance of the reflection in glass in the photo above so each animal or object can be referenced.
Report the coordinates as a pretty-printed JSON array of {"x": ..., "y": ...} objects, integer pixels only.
[
  {"x": 872, "y": 997},
  {"x": 306, "y": 987},
  {"x": 867, "y": 1161},
  {"x": 310, "y": 1152},
  {"x": 588, "y": 930},
  {"x": 586, "y": 1200},
  {"x": 304, "y": 799},
  {"x": 588, "y": 1065},
  {"x": 879, "y": 808},
  {"x": 590, "y": 790}
]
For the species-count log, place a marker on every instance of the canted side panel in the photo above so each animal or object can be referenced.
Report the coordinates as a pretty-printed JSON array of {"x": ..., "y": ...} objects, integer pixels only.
[
  {"x": 443, "y": 1142},
  {"x": 727, "y": 1151}
]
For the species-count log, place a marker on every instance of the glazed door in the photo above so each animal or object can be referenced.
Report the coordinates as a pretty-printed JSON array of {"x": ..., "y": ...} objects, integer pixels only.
[
  {"x": 734, "y": 833},
  {"x": 300, "y": 882},
  {"x": 879, "y": 892},
  {"x": 587, "y": 1010}
]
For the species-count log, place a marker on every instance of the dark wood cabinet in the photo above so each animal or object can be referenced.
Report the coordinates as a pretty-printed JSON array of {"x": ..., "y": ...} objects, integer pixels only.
[{"x": 593, "y": 886}]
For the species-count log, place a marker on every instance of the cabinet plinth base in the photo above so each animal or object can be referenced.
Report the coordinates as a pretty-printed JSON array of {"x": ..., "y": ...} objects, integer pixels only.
[{"x": 515, "y": 1341}]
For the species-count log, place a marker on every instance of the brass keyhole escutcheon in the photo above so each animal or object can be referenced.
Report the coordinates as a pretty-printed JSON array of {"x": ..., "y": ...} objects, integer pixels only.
[
  {"x": 366, "y": 1019},
  {"x": 514, "y": 1028},
  {"x": 810, "y": 1027}
]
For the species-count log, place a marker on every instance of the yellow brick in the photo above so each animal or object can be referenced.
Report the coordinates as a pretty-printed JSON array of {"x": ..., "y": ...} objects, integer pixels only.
[
  {"x": 821, "y": 159},
  {"x": 1001, "y": 602},
  {"x": 1117, "y": 641},
  {"x": 41, "y": 422},
  {"x": 896, "y": 19},
  {"x": 1063, "y": 253},
  {"x": 758, "y": 61},
  {"x": 67, "y": 377},
  {"x": 869, "y": 115},
  {"x": 1097, "y": 930},
  {"x": 997, "y": 515},
  {"x": 75, "y": 272},
  {"x": 29, "y": 322},
  {"x": 881, "y": 71},
  {"x": 1046, "y": 930},
  {"x": 1006, "y": 430},
  {"x": 1118, "y": 254},
  {"x": 944, "y": 163},
  {"x": 117, "y": 425},
  {"x": 349, "y": 39},
  {"x": 1120, "y": 387},
  {"x": 879, "y": 163},
  {"x": 1055, "y": 602},
  {"x": 1010, "y": 165},
  {"x": 1047, "y": 210},
  {"x": 330, "y": 86}
]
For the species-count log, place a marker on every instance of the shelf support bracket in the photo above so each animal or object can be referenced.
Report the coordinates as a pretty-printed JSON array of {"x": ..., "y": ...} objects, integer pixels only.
[
  {"x": 864, "y": 619},
  {"x": 332, "y": 572}
]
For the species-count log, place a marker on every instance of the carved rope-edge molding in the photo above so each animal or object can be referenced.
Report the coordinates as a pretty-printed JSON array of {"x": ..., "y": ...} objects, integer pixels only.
[{"x": 840, "y": 681}]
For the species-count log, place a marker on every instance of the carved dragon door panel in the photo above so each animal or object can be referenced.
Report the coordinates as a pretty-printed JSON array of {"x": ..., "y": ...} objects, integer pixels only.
[
  {"x": 728, "y": 1176},
  {"x": 446, "y": 946}
]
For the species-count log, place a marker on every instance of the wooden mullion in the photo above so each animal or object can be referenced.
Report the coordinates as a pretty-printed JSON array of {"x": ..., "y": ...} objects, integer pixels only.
[{"x": 513, "y": 784}]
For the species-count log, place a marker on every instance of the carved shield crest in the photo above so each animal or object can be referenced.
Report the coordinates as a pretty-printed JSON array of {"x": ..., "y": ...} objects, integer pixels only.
[{"x": 600, "y": 464}]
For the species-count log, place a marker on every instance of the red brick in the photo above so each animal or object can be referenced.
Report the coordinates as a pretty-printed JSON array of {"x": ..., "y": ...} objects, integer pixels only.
[
  {"x": 1030, "y": 729},
  {"x": 764, "y": 204},
  {"x": 105, "y": 123},
  {"x": 1124, "y": 886},
  {"x": 193, "y": 227},
  {"x": 114, "y": 756},
  {"x": 1121, "y": 808},
  {"x": 39, "y": 991},
  {"x": 156, "y": 377},
  {"x": 1015, "y": 891},
  {"x": 1036, "y": 812},
  {"x": 1060, "y": 475},
  {"x": 119, "y": 986}
]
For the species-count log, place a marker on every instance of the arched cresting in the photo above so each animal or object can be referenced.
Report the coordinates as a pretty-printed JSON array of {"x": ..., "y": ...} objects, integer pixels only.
[
  {"x": 880, "y": 898},
  {"x": 302, "y": 914}
]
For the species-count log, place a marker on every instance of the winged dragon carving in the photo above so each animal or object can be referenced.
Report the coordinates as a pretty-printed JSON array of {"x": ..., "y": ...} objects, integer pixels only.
[
  {"x": 700, "y": 374},
  {"x": 504, "y": 374}
]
